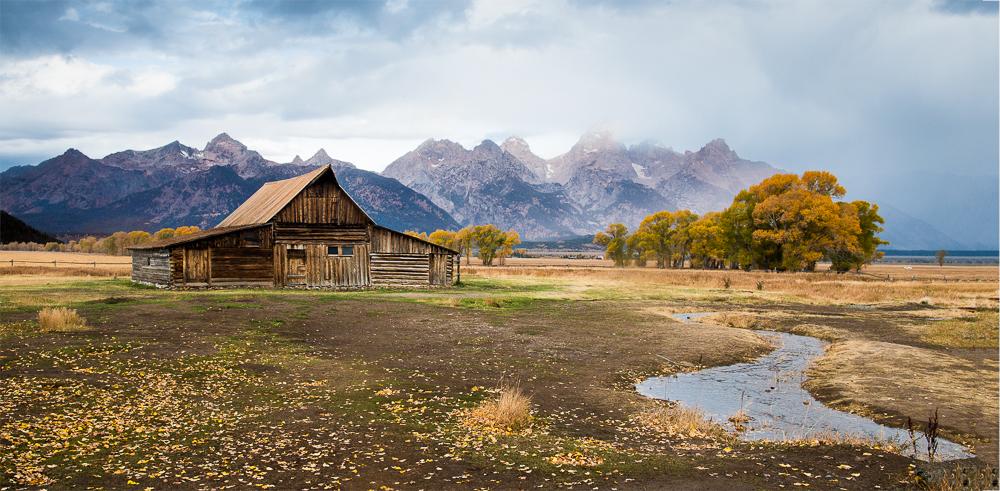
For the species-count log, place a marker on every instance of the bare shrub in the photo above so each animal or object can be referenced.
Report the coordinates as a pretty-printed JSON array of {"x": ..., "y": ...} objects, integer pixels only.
[
  {"x": 727, "y": 282},
  {"x": 509, "y": 412},
  {"x": 60, "y": 319}
]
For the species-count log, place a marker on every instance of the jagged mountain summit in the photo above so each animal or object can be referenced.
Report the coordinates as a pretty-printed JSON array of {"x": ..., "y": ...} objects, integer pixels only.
[
  {"x": 598, "y": 181},
  {"x": 179, "y": 185},
  {"x": 487, "y": 184}
]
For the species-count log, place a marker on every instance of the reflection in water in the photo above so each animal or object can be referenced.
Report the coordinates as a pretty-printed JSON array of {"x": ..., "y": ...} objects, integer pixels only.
[{"x": 769, "y": 390}]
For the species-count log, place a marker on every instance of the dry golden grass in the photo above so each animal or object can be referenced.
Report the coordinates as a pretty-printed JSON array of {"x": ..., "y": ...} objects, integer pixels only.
[
  {"x": 65, "y": 264},
  {"x": 60, "y": 319},
  {"x": 836, "y": 438},
  {"x": 509, "y": 412},
  {"x": 963, "y": 478},
  {"x": 976, "y": 288},
  {"x": 678, "y": 420},
  {"x": 978, "y": 331},
  {"x": 869, "y": 372},
  {"x": 740, "y": 320}
]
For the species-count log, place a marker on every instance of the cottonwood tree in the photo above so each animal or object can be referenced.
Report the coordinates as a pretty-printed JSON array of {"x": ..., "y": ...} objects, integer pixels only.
[
  {"x": 464, "y": 241},
  {"x": 940, "y": 255},
  {"x": 786, "y": 222},
  {"x": 511, "y": 240},
  {"x": 489, "y": 239},
  {"x": 444, "y": 238},
  {"x": 708, "y": 248},
  {"x": 615, "y": 241}
]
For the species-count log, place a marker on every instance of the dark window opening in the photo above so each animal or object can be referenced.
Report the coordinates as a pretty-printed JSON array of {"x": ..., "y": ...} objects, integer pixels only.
[
  {"x": 331, "y": 250},
  {"x": 346, "y": 250},
  {"x": 149, "y": 261},
  {"x": 250, "y": 239}
]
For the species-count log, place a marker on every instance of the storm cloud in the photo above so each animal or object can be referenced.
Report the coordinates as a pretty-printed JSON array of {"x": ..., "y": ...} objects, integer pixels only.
[{"x": 869, "y": 90}]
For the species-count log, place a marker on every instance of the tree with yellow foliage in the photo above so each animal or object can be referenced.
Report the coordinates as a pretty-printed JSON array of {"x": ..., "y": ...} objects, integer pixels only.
[
  {"x": 615, "y": 242},
  {"x": 443, "y": 238},
  {"x": 708, "y": 249},
  {"x": 511, "y": 240},
  {"x": 489, "y": 240},
  {"x": 163, "y": 233},
  {"x": 464, "y": 241}
]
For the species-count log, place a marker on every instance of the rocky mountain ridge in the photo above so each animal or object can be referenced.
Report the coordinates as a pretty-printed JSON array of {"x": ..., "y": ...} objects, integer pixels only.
[
  {"x": 179, "y": 185},
  {"x": 597, "y": 181}
]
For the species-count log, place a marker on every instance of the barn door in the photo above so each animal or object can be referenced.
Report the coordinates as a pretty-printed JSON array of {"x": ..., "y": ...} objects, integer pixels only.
[
  {"x": 196, "y": 265},
  {"x": 295, "y": 272},
  {"x": 437, "y": 272}
]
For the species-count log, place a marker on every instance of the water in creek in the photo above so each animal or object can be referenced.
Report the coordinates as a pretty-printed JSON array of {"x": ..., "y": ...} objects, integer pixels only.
[{"x": 769, "y": 390}]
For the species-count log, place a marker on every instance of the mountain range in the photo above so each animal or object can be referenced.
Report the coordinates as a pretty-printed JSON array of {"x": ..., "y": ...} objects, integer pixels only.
[
  {"x": 439, "y": 184},
  {"x": 179, "y": 185}
]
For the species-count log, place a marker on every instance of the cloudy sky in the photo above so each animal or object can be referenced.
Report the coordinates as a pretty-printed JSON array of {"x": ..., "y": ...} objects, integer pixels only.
[{"x": 870, "y": 90}]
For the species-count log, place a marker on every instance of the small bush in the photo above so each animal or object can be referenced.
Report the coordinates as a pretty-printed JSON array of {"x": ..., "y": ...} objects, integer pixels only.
[
  {"x": 760, "y": 285},
  {"x": 509, "y": 412},
  {"x": 60, "y": 319},
  {"x": 727, "y": 282}
]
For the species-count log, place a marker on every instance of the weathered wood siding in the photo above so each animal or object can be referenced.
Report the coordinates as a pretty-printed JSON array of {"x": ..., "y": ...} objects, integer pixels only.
[
  {"x": 400, "y": 269},
  {"x": 322, "y": 202},
  {"x": 243, "y": 257},
  {"x": 300, "y": 233},
  {"x": 320, "y": 269},
  {"x": 399, "y": 259},
  {"x": 242, "y": 265},
  {"x": 151, "y": 266},
  {"x": 388, "y": 241}
]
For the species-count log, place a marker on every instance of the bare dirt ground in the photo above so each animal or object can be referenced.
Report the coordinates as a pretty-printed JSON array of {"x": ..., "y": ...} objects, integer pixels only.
[{"x": 307, "y": 389}]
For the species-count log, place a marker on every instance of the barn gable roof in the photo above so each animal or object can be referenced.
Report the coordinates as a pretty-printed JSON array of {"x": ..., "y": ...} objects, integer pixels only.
[
  {"x": 263, "y": 205},
  {"x": 272, "y": 197}
]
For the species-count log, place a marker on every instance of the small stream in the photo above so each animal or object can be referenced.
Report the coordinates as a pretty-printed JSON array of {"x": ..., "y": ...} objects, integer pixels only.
[{"x": 770, "y": 392}]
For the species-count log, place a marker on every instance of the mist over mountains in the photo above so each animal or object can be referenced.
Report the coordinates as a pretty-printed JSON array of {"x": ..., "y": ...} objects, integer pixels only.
[{"x": 439, "y": 184}]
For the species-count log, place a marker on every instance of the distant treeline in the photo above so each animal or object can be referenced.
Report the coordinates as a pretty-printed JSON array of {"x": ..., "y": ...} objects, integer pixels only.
[
  {"x": 488, "y": 240},
  {"x": 785, "y": 223},
  {"x": 116, "y": 244}
]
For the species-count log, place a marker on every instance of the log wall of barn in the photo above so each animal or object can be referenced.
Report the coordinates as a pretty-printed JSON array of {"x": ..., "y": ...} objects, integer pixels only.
[
  {"x": 399, "y": 259},
  {"x": 238, "y": 258},
  {"x": 151, "y": 267},
  {"x": 322, "y": 202}
]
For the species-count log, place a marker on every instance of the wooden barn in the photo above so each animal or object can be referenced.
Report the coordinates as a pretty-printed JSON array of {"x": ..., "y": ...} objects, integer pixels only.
[{"x": 300, "y": 232}]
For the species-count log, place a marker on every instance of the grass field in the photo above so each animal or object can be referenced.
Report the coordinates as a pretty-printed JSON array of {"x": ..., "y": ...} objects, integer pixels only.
[{"x": 388, "y": 388}]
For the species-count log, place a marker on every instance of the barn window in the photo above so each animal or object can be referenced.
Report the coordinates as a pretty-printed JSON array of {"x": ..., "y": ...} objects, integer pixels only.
[
  {"x": 343, "y": 251},
  {"x": 149, "y": 261},
  {"x": 250, "y": 238}
]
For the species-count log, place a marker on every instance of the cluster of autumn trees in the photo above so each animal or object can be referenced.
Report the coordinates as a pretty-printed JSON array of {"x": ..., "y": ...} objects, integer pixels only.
[
  {"x": 785, "y": 223},
  {"x": 116, "y": 244},
  {"x": 491, "y": 243}
]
